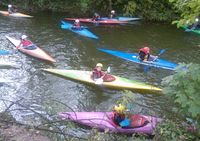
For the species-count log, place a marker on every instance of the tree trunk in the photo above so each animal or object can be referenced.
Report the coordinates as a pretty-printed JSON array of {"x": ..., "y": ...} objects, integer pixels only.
[{"x": 110, "y": 5}]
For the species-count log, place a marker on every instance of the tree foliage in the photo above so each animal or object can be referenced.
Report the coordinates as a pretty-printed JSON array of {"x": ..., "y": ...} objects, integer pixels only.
[
  {"x": 183, "y": 88},
  {"x": 148, "y": 9},
  {"x": 172, "y": 131},
  {"x": 187, "y": 9}
]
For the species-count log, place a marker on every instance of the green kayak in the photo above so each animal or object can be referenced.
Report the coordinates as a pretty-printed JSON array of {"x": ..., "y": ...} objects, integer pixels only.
[
  {"x": 197, "y": 31},
  {"x": 118, "y": 83}
]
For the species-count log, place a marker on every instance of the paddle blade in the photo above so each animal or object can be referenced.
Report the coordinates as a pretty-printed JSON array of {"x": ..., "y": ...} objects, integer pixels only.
[
  {"x": 99, "y": 81},
  {"x": 161, "y": 52},
  {"x": 108, "y": 69}
]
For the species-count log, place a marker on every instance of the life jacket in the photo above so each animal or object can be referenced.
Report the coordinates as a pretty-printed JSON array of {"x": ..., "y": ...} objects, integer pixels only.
[
  {"x": 78, "y": 25},
  {"x": 117, "y": 117},
  {"x": 11, "y": 10},
  {"x": 143, "y": 55},
  {"x": 26, "y": 43},
  {"x": 96, "y": 17},
  {"x": 97, "y": 74}
]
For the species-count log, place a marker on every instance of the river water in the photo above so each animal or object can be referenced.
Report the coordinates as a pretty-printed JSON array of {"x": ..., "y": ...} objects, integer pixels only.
[{"x": 36, "y": 90}]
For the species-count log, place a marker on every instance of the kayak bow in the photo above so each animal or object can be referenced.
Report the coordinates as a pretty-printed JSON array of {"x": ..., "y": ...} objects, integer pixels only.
[{"x": 15, "y": 14}]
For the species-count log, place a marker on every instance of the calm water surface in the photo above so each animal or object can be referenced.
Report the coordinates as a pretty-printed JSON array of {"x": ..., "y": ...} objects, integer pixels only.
[{"x": 38, "y": 90}]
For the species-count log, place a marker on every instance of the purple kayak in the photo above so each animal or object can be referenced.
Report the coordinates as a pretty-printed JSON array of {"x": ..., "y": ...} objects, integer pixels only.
[{"x": 103, "y": 121}]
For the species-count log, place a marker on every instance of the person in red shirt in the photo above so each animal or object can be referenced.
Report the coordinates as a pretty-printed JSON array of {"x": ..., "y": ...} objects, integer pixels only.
[
  {"x": 11, "y": 9},
  {"x": 26, "y": 44},
  {"x": 97, "y": 72},
  {"x": 96, "y": 17},
  {"x": 144, "y": 55},
  {"x": 119, "y": 114},
  {"x": 76, "y": 25}
]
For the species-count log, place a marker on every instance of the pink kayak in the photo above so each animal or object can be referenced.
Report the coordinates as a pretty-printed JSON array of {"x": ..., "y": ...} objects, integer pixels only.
[
  {"x": 103, "y": 121},
  {"x": 106, "y": 21}
]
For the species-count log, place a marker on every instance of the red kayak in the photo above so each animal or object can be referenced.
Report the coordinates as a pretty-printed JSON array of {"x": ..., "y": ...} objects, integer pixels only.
[
  {"x": 37, "y": 53},
  {"x": 106, "y": 21}
]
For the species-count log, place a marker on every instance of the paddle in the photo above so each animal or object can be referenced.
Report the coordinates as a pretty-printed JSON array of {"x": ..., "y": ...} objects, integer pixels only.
[
  {"x": 146, "y": 68},
  {"x": 160, "y": 53},
  {"x": 99, "y": 81}
]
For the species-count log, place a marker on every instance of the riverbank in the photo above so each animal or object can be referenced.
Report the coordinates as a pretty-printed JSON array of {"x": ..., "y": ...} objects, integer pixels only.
[{"x": 10, "y": 130}]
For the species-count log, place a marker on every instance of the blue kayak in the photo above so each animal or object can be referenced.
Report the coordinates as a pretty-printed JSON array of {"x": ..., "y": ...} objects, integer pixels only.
[
  {"x": 133, "y": 57},
  {"x": 129, "y": 19},
  {"x": 83, "y": 31}
]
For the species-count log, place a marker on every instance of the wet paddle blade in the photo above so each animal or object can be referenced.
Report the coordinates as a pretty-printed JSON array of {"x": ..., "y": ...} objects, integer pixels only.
[
  {"x": 108, "y": 69},
  {"x": 99, "y": 81},
  {"x": 161, "y": 52}
]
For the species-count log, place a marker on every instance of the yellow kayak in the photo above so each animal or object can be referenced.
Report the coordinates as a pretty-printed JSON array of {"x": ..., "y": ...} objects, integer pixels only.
[
  {"x": 5, "y": 13},
  {"x": 118, "y": 83}
]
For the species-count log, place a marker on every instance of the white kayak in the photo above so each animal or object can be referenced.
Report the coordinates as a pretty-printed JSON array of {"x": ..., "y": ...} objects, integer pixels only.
[{"x": 5, "y": 13}]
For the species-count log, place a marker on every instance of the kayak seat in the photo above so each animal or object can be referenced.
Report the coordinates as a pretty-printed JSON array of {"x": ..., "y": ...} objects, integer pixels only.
[
  {"x": 135, "y": 121},
  {"x": 152, "y": 58},
  {"x": 31, "y": 47},
  {"x": 138, "y": 121},
  {"x": 108, "y": 78},
  {"x": 77, "y": 28}
]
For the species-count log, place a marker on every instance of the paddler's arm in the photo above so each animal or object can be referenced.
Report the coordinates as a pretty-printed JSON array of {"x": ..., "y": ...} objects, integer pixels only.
[{"x": 19, "y": 45}]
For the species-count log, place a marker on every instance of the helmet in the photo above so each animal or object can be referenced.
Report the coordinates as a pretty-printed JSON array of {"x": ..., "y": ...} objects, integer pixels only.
[
  {"x": 23, "y": 37},
  {"x": 99, "y": 65},
  {"x": 113, "y": 11},
  {"x": 196, "y": 19},
  {"x": 119, "y": 108},
  {"x": 146, "y": 49},
  {"x": 9, "y": 5},
  {"x": 77, "y": 21}
]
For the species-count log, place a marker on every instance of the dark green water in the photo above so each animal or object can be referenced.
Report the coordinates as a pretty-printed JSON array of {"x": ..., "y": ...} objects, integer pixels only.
[{"x": 38, "y": 90}]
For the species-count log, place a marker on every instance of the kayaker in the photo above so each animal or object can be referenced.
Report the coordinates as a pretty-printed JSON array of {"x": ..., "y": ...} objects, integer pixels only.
[
  {"x": 97, "y": 72},
  {"x": 144, "y": 55},
  {"x": 196, "y": 25},
  {"x": 112, "y": 14},
  {"x": 96, "y": 17},
  {"x": 25, "y": 43},
  {"x": 11, "y": 10},
  {"x": 77, "y": 24},
  {"x": 119, "y": 116}
]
